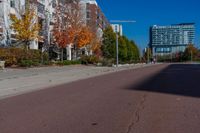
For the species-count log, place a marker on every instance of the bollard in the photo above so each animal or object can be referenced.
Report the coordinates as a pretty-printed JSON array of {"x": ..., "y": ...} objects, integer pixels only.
[{"x": 2, "y": 65}]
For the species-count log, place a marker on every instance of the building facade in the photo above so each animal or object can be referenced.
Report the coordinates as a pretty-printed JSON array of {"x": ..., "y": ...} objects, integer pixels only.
[
  {"x": 117, "y": 28},
  {"x": 45, "y": 9},
  {"x": 93, "y": 16},
  {"x": 171, "y": 39}
]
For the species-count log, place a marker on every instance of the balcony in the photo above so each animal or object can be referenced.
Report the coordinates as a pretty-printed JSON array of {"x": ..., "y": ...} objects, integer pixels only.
[{"x": 41, "y": 10}]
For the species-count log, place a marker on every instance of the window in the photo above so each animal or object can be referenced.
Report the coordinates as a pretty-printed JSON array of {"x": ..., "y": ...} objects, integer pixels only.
[
  {"x": 41, "y": 8},
  {"x": 88, "y": 14},
  {"x": 54, "y": 4},
  {"x": 12, "y": 3},
  {"x": 88, "y": 6}
]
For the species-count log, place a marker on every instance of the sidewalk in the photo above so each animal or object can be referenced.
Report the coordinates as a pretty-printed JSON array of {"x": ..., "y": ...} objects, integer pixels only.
[{"x": 19, "y": 81}]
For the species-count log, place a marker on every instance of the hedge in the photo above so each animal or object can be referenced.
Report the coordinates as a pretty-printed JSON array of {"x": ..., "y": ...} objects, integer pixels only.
[{"x": 18, "y": 56}]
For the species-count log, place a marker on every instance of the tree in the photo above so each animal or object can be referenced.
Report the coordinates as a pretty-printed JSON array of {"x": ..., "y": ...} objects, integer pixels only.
[
  {"x": 60, "y": 30},
  {"x": 147, "y": 54},
  {"x": 135, "y": 51},
  {"x": 95, "y": 45},
  {"x": 26, "y": 26},
  {"x": 84, "y": 37},
  {"x": 190, "y": 52},
  {"x": 77, "y": 29},
  {"x": 69, "y": 23},
  {"x": 128, "y": 50},
  {"x": 122, "y": 50},
  {"x": 109, "y": 43}
]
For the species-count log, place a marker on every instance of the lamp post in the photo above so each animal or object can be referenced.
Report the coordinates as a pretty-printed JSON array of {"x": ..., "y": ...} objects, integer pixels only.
[
  {"x": 117, "y": 36},
  {"x": 117, "y": 50}
]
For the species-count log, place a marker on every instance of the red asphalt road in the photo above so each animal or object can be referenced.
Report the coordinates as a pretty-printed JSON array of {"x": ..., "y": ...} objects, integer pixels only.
[{"x": 158, "y": 99}]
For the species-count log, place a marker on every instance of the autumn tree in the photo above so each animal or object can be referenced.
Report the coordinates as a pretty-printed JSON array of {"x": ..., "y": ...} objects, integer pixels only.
[
  {"x": 60, "y": 29},
  {"x": 84, "y": 37},
  {"x": 69, "y": 23},
  {"x": 190, "y": 52},
  {"x": 26, "y": 26},
  {"x": 95, "y": 46}
]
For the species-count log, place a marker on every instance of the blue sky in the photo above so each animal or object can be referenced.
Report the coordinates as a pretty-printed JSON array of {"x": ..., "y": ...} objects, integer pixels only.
[{"x": 151, "y": 12}]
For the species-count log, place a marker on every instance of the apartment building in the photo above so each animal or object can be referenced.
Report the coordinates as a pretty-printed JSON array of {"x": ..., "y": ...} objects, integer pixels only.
[
  {"x": 117, "y": 28},
  {"x": 93, "y": 16},
  {"x": 5, "y": 32},
  {"x": 43, "y": 8},
  {"x": 46, "y": 11}
]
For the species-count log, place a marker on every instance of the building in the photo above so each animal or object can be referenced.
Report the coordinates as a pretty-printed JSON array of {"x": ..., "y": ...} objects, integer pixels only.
[
  {"x": 6, "y": 7},
  {"x": 44, "y": 10},
  {"x": 93, "y": 16},
  {"x": 171, "y": 39},
  {"x": 117, "y": 28}
]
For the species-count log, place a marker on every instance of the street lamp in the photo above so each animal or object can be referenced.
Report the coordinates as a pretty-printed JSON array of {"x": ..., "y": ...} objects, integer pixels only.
[{"x": 117, "y": 36}]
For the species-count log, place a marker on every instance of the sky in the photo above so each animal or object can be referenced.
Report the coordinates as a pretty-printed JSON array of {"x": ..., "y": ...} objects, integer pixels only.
[{"x": 151, "y": 12}]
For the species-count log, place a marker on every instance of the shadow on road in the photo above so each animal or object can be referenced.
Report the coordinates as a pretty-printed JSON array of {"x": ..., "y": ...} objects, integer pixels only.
[{"x": 176, "y": 79}]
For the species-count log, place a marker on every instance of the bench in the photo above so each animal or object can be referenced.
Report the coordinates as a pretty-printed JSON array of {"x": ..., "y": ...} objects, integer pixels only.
[{"x": 2, "y": 64}]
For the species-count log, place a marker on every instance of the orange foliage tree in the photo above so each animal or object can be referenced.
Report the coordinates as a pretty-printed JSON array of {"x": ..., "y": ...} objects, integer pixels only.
[
  {"x": 60, "y": 29},
  {"x": 95, "y": 45},
  {"x": 78, "y": 33},
  {"x": 69, "y": 27},
  {"x": 26, "y": 26},
  {"x": 84, "y": 37}
]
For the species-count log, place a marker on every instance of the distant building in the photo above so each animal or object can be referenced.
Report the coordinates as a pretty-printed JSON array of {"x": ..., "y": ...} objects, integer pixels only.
[
  {"x": 171, "y": 39},
  {"x": 117, "y": 28}
]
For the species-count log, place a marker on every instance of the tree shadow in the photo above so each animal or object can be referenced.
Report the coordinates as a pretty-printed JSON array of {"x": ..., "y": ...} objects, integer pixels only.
[{"x": 176, "y": 79}]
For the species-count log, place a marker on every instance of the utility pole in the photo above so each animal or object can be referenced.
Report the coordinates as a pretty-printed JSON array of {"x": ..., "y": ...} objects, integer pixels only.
[
  {"x": 117, "y": 50},
  {"x": 117, "y": 37}
]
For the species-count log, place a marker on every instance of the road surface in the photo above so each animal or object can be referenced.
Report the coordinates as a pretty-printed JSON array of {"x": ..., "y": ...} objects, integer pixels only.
[
  {"x": 19, "y": 81},
  {"x": 158, "y": 99}
]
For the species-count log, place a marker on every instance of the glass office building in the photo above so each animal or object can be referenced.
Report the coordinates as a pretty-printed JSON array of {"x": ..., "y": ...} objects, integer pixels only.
[{"x": 171, "y": 39}]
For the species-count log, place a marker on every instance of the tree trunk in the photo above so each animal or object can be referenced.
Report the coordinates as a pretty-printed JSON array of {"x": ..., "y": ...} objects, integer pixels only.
[
  {"x": 26, "y": 49},
  {"x": 62, "y": 54}
]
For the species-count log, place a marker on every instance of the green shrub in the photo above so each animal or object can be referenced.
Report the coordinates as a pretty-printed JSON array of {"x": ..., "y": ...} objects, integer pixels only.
[
  {"x": 18, "y": 56},
  {"x": 60, "y": 63},
  {"x": 48, "y": 63},
  {"x": 76, "y": 62},
  {"x": 89, "y": 60},
  {"x": 35, "y": 63},
  {"x": 107, "y": 62},
  {"x": 67, "y": 62},
  {"x": 26, "y": 63}
]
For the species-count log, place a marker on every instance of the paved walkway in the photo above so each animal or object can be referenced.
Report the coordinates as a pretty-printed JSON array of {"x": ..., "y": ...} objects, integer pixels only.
[{"x": 19, "y": 81}]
